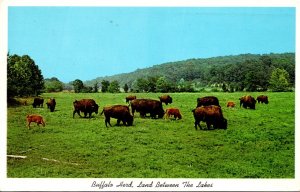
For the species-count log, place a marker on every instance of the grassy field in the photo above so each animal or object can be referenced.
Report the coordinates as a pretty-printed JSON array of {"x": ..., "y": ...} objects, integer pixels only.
[{"x": 257, "y": 144}]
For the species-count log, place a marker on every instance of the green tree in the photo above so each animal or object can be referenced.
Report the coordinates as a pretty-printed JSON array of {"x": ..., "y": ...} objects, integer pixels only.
[
  {"x": 151, "y": 84},
  {"x": 114, "y": 87},
  {"x": 78, "y": 85},
  {"x": 104, "y": 86},
  {"x": 24, "y": 77},
  {"x": 126, "y": 88},
  {"x": 279, "y": 80},
  {"x": 142, "y": 85},
  {"x": 162, "y": 85},
  {"x": 53, "y": 85},
  {"x": 95, "y": 90},
  {"x": 87, "y": 89}
]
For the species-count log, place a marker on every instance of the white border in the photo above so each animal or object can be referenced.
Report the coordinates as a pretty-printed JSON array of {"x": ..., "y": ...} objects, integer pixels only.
[{"x": 8, "y": 184}]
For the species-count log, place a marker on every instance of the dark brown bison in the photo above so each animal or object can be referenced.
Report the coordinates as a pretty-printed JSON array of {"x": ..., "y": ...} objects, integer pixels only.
[
  {"x": 119, "y": 112},
  {"x": 208, "y": 100},
  {"x": 51, "y": 104},
  {"x": 230, "y": 104},
  {"x": 212, "y": 115},
  {"x": 262, "y": 99},
  {"x": 38, "y": 101},
  {"x": 165, "y": 99},
  {"x": 87, "y": 106},
  {"x": 144, "y": 106},
  {"x": 173, "y": 112},
  {"x": 130, "y": 98},
  {"x": 247, "y": 101},
  {"x": 38, "y": 119}
]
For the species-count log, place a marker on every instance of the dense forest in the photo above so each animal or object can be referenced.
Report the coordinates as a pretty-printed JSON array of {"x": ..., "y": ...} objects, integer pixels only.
[{"x": 245, "y": 72}]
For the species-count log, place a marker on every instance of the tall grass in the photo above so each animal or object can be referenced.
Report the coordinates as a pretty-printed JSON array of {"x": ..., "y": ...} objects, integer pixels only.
[{"x": 257, "y": 144}]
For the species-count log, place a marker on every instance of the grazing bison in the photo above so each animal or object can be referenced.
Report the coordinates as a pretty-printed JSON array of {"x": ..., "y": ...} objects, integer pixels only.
[
  {"x": 38, "y": 101},
  {"x": 130, "y": 98},
  {"x": 212, "y": 115},
  {"x": 165, "y": 99},
  {"x": 144, "y": 106},
  {"x": 87, "y": 106},
  {"x": 51, "y": 104},
  {"x": 119, "y": 112},
  {"x": 230, "y": 104},
  {"x": 35, "y": 118},
  {"x": 173, "y": 112},
  {"x": 262, "y": 99},
  {"x": 208, "y": 100},
  {"x": 247, "y": 101}
]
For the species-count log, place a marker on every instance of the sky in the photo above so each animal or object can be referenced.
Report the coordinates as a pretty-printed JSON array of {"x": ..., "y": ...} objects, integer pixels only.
[{"x": 89, "y": 42}]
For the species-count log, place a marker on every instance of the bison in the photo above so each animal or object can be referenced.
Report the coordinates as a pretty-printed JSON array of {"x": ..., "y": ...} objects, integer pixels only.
[
  {"x": 230, "y": 104},
  {"x": 247, "y": 101},
  {"x": 38, "y": 119},
  {"x": 130, "y": 98},
  {"x": 51, "y": 104},
  {"x": 212, "y": 115},
  {"x": 144, "y": 106},
  {"x": 119, "y": 112},
  {"x": 87, "y": 106},
  {"x": 208, "y": 100},
  {"x": 165, "y": 99},
  {"x": 262, "y": 99},
  {"x": 38, "y": 101},
  {"x": 173, "y": 112}
]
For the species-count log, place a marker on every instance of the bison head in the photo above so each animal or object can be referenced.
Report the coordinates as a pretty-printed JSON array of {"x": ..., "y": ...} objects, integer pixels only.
[
  {"x": 95, "y": 108},
  {"x": 221, "y": 124},
  {"x": 224, "y": 124}
]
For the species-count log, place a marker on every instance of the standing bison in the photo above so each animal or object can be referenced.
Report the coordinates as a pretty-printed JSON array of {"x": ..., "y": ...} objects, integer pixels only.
[
  {"x": 262, "y": 99},
  {"x": 38, "y": 119},
  {"x": 38, "y": 101},
  {"x": 51, "y": 104},
  {"x": 173, "y": 112},
  {"x": 87, "y": 106},
  {"x": 119, "y": 112},
  {"x": 165, "y": 99},
  {"x": 208, "y": 100},
  {"x": 130, "y": 98},
  {"x": 247, "y": 101},
  {"x": 144, "y": 106},
  {"x": 212, "y": 115}
]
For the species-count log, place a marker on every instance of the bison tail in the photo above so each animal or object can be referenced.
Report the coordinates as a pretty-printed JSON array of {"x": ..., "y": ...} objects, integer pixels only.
[{"x": 102, "y": 112}]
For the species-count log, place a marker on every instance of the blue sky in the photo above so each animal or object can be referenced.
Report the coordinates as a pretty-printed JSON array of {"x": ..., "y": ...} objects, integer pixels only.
[{"x": 88, "y": 42}]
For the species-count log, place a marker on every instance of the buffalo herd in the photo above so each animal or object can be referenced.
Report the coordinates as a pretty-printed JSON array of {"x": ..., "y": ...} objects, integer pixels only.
[{"x": 208, "y": 109}]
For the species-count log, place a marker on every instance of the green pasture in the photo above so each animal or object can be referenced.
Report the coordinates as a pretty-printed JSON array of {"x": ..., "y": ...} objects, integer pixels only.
[{"x": 257, "y": 144}]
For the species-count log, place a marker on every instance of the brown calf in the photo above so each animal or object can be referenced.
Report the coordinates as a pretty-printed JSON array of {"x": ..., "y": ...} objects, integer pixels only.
[
  {"x": 173, "y": 112},
  {"x": 35, "y": 118},
  {"x": 230, "y": 104}
]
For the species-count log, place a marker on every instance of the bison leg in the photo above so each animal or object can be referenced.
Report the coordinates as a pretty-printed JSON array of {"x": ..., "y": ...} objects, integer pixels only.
[
  {"x": 142, "y": 114},
  {"x": 197, "y": 123},
  {"x": 107, "y": 120},
  {"x": 118, "y": 122},
  {"x": 85, "y": 114},
  {"x": 75, "y": 112},
  {"x": 132, "y": 110},
  {"x": 208, "y": 124},
  {"x": 28, "y": 125}
]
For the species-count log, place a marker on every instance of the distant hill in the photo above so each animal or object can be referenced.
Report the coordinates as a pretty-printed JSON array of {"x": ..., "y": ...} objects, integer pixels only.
[{"x": 196, "y": 69}]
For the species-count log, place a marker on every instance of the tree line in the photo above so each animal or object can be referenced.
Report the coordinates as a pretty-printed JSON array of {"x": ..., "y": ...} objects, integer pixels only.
[{"x": 247, "y": 72}]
